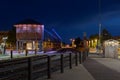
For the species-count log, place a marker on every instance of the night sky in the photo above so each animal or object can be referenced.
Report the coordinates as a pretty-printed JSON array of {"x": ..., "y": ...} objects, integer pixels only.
[{"x": 70, "y": 18}]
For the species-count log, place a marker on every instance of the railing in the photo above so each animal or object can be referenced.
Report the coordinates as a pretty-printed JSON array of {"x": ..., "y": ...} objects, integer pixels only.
[{"x": 39, "y": 66}]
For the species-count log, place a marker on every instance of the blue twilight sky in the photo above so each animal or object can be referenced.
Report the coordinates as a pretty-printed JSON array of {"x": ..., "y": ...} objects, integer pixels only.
[{"x": 70, "y": 18}]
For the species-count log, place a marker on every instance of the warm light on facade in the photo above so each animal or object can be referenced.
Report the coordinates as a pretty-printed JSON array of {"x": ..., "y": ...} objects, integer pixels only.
[
  {"x": 93, "y": 43},
  {"x": 72, "y": 42},
  {"x": 96, "y": 40},
  {"x": 29, "y": 46}
]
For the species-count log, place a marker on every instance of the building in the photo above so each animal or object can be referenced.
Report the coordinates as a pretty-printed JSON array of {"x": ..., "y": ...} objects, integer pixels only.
[
  {"x": 3, "y": 34},
  {"x": 29, "y": 35}
]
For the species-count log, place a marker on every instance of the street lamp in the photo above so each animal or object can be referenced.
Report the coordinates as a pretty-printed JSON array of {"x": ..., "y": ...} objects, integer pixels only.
[
  {"x": 99, "y": 34},
  {"x": 72, "y": 42},
  {"x": 99, "y": 41}
]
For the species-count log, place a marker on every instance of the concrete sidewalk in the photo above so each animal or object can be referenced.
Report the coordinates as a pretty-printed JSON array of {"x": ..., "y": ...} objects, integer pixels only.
[
  {"x": 103, "y": 68},
  {"x": 76, "y": 73}
]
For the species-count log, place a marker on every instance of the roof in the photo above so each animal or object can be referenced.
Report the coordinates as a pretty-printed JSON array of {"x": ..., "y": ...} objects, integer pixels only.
[
  {"x": 111, "y": 40},
  {"x": 29, "y": 21}
]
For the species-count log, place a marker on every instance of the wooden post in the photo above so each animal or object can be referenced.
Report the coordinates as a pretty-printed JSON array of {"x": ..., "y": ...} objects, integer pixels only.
[
  {"x": 61, "y": 63},
  {"x": 35, "y": 51},
  {"x": 11, "y": 54},
  {"x": 26, "y": 53},
  {"x": 84, "y": 56},
  {"x": 76, "y": 59},
  {"x": 70, "y": 60},
  {"x": 80, "y": 57},
  {"x": 49, "y": 67},
  {"x": 30, "y": 68}
]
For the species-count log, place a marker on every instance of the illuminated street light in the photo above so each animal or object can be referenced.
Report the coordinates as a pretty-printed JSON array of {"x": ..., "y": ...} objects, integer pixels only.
[{"x": 72, "y": 40}]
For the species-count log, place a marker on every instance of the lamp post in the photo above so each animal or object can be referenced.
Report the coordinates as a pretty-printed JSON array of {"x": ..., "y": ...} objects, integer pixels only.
[
  {"x": 100, "y": 25},
  {"x": 99, "y": 35}
]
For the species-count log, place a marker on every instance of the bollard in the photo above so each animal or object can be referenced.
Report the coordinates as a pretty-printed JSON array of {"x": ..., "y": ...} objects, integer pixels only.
[
  {"x": 11, "y": 54},
  {"x": 29, "y": 68},
  {"x": 70, "y": 60},
  {"x": 48, "y": 67},
  {"x": 61, "y": 63},
  {"x": 76, "y": 59}
]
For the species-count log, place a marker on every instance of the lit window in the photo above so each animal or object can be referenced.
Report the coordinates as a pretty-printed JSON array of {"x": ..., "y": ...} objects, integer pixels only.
[
  {"x": 24, "y": 27},
  {"x": 38, "y": 29},
  {"x": 18, "y": 30}
]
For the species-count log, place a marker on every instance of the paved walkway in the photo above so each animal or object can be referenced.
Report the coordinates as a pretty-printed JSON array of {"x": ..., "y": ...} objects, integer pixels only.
[
  {"x": 103, "y": 68},
  {"x": 76, "y": 73},
  {"x": 94, "y": 68}
]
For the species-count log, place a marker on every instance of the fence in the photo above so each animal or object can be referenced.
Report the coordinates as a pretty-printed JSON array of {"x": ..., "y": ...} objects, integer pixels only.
[{"x": 38, "y": 66}]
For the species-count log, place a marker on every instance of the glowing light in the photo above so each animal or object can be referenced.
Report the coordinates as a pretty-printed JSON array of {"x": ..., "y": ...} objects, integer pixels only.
[
  {"x": 29, "y": 46},
  {"x": 38, "y": 29},
  {"x": 24, "y": 28},
  {"x": 67, "y": 46},
  {"x": 96, "y": 40}
]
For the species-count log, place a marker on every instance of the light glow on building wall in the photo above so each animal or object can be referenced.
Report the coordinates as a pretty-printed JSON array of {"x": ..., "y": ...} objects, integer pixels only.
[
  {"x": 93, "y": 43},
  {"x": 29, "y": 46},
  {"x": 35, "y": 31},
  {"x": 29, "y": 34}
]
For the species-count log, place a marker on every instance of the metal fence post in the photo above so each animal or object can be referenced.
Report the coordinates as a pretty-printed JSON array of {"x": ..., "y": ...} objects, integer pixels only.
[
  {"x": 49, "y": 67},
  {"x": 29, "y": 68},
  {"x": 70, "y": 60},
  {"x": 61, "y": 63}
]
